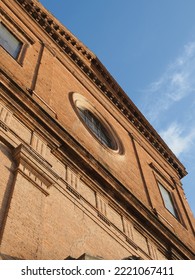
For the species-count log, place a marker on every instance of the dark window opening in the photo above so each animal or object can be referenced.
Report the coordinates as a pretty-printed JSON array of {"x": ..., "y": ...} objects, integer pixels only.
[
  {"x": 97, "y": 128},
  {"x": 9, "y": 42},
  {"x": 168, "y": 201}
]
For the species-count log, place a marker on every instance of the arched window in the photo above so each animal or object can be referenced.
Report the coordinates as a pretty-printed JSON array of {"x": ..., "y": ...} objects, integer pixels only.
[{"x": 97, "y": 128}]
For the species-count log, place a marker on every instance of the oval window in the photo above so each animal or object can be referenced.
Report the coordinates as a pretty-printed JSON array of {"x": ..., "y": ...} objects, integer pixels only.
[{"x": 97, "y": 128}]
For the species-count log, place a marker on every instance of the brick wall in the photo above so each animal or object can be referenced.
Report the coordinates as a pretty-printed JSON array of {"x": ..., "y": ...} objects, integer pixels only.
[{"x": 62, "y": 192}]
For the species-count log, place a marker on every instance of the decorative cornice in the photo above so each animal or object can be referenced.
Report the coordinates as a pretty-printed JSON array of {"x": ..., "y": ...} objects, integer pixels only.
[
  {"x": 8, "y": 18},
  {"x": 98, "y": 74},
  {"x": 55, "y": 30}
]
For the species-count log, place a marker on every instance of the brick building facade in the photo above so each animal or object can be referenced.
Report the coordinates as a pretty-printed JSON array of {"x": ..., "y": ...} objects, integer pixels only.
[{"x": 83, "y": 173}]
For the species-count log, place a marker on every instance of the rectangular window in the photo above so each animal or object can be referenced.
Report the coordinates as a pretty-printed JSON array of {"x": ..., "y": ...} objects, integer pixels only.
[
  {"x": 9, "y": 42},
  {"x": 167, "y": 199}
]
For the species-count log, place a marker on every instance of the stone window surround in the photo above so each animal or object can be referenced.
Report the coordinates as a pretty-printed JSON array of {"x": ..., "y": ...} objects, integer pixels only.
[
  {"x": 80, "y": 102},
  {"x": 18, "y": 33}
]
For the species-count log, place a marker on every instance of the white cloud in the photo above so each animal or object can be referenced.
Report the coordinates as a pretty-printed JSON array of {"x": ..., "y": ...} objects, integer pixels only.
[
  {"x": 175, "y": 84},
  {"x": 179, "y": 86},
  {"x": 169, "y": 103},
  {"x": 174, "y": 137}
]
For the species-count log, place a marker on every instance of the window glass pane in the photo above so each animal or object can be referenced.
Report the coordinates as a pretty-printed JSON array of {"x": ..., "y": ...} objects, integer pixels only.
[
  {"x": 96, "y": 127},
  {"x": 167, "y": 200},
  {"x": 9, "y": 42}
]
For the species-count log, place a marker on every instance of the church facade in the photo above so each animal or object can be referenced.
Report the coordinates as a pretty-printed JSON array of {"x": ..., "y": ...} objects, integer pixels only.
[{"x": 83, "y": 173}]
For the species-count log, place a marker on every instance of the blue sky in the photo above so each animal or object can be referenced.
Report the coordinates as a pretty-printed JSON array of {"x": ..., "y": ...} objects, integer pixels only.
[{"x": 148, "y": 46}]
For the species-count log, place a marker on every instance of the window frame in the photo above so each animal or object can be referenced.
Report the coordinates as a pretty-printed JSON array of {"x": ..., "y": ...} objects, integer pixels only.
[
  {"x": 97, "y": 128},
  {"x": 175, "y": 212},
  {"x": 79, "y": 101},
  {"x": 16, "y": 57},
  {"x": 20, "y": 35},
  {"x": 170, "y": 185}
]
